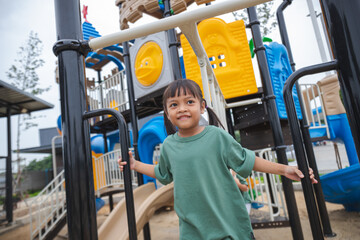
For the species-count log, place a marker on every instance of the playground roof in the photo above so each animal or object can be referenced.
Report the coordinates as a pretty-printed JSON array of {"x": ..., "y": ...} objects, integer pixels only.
[
  {"x": 43, "y": 149},
  {"x": 19, "y": 101}
]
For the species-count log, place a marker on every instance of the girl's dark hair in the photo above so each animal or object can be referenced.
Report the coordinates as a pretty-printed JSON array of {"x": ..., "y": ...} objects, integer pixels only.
[{"x": 188, "y": 87}]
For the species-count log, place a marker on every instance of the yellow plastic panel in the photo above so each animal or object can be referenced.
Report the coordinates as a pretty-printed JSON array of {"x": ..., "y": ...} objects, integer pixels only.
[
  {"x": 148, "y": 63},
  {"x": 227, "y": 48}
]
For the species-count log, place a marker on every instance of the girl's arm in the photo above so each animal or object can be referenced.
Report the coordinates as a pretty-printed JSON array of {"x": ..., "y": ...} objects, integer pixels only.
[
  {"x": 242, "y": 187},
  {"x": 147, "y": 169},
  {"x": 293, "y": 173}
]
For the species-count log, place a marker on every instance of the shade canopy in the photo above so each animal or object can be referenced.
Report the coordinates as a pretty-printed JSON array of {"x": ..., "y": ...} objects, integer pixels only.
[{"x": 19, "y": 101}]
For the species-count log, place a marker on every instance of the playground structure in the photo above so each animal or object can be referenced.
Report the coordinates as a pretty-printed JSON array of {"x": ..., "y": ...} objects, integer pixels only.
[
  {"x": 329, "y": 122},
  {"x": 213, "y": 95}
]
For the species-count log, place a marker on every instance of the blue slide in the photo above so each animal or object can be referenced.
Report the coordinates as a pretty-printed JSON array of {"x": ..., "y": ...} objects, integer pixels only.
[
  {"x": 342, "y": 186},
  {"x": 150, "y": 135}
]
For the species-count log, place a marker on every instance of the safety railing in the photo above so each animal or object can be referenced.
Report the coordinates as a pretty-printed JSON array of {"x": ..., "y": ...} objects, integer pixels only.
[
  {"x": 48, "y": 208},
  {"x": 266, "y": 189},
  {"x": 107, "y": 172},
  {"x": 314, "y": 107},
  {"x": 50, "y": 205},
  {"x": 111, "y": 93}
]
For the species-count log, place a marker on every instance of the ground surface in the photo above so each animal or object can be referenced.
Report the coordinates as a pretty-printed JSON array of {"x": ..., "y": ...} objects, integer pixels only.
[{"x": 164, "y": 225}]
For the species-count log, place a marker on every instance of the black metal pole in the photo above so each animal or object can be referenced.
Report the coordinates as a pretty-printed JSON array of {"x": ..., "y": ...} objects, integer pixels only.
[
  {"x": 229, "y": 122},
  {"x": 124, "y": 146},
  {"x": 325, "y": 221},
  {"x": 9, "y": 177},
  {"x": 274, "y": 121},
  {"x": 133, "y": 116},
  {"x": 134, "y": 121},
  {"x": 307, "y": 186},
  {"x": 342, "y": 22},
  {"x": 99, "y": 81},
  {"x": 173, "y": 44},
  {"x": 80, "y": 197}
]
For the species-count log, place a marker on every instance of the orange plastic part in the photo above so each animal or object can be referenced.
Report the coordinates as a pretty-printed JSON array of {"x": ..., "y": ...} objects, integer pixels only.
[
  {"x": 98, "y": 171},
  {"x": 227, "y": 48}
]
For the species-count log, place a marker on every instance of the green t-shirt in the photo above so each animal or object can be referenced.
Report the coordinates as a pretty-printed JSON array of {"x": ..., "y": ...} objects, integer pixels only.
[
  {"x": 246, "y": 195},
  {"x": 207, "y": 200}
]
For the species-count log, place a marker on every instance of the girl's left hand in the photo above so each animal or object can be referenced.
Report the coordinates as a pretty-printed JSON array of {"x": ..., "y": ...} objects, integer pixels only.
[{"x": 294, "y": 173}]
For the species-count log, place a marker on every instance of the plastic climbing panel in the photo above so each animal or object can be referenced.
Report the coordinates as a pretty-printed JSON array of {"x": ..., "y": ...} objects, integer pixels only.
[
  {"x": 280, "y": 70},
  {"x": 151, "y": 64},
  {"x": 227, "y": 48}
]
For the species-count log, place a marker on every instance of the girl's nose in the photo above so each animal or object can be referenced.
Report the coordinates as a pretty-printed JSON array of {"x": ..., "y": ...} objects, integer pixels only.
[{"x": 182, "y": 108}]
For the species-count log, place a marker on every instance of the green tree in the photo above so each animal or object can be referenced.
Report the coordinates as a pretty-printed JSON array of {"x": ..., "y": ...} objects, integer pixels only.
[
  {"x": 22, "y": 74},
  {"x": 265, "y": 16},
  {"x": 43, "y": 164}
]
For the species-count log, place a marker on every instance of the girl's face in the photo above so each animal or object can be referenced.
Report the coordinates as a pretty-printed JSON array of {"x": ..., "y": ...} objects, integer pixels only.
[{"x": 184, "y": 111}]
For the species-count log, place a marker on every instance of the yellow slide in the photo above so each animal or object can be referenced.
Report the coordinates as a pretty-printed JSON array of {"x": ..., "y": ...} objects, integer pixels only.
[{"x": 146, "y": 201}]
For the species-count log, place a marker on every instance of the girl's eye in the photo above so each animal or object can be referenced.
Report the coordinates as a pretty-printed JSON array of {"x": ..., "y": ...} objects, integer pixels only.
[
  {"x": 173, "y": 105},
  {"x": 190, "y": 101}
]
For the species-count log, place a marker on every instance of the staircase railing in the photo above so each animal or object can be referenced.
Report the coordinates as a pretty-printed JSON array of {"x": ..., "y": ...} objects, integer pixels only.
[
  {"x": 107, "y": 172},
  {"x": 111, "y": 93},
  {"x": 48, "y": 207},
  {"x": 315, "y": 108},
  {"x": 266, "y": 189}
]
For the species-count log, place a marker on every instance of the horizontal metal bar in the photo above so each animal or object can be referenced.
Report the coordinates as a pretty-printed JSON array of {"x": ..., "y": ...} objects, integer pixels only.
[
  {"x": 172, "y": 22},
  {"x": 318, "y": 68},
  {"x": 243, "y": 103}
]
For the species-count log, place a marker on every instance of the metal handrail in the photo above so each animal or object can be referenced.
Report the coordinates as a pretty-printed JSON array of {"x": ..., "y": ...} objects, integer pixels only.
[
  {"x": 47, "y": 206},
  {"x": 313, "y": 96},
  {"x": 110, "y": 93},
  {"x": 107, "y": 173},
  {"x": 262, "y": 190}
]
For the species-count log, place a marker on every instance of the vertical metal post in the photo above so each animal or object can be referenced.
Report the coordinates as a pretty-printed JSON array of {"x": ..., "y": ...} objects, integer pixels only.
[
  {"x": 9, "y": 178},
  {"x": 133, "y": 116},
  {"x": 325, "y": 221},
  {"x": 134, "y": 120},
  {"x": 101, "y": 90},
  {"x": 80, "y": 197},
  {"x": 342, "y": 22},
  {"x": 299, "y": 148},
  {"x": 173, "y": 44},
  {"x": 314, "y": 22},
  {"x": 275, "y": 124},
  {"x": 123, "y": 136}
]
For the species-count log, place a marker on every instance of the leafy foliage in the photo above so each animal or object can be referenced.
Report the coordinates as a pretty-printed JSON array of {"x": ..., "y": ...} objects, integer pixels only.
[
  {"x": 45, "y": 163},
  {"x": 23, "y": 73},
  {"x": 265, "y": 17}
]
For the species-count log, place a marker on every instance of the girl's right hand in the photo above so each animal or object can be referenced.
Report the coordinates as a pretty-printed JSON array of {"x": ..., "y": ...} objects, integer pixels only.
[{"x": 123, "y": 163}]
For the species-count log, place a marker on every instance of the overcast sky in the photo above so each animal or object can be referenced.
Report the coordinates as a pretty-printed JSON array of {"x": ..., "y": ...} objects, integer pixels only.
[{"x": 18, "y": 18}]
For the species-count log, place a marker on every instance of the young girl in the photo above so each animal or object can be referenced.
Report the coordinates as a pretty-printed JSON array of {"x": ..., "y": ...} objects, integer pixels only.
[{"x": 197, "y": 159}]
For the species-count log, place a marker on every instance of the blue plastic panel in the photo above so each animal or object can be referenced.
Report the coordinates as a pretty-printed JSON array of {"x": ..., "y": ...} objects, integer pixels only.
[
  {"x": 150, "y": 135},
  {"x": 280, "y": 70}
]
